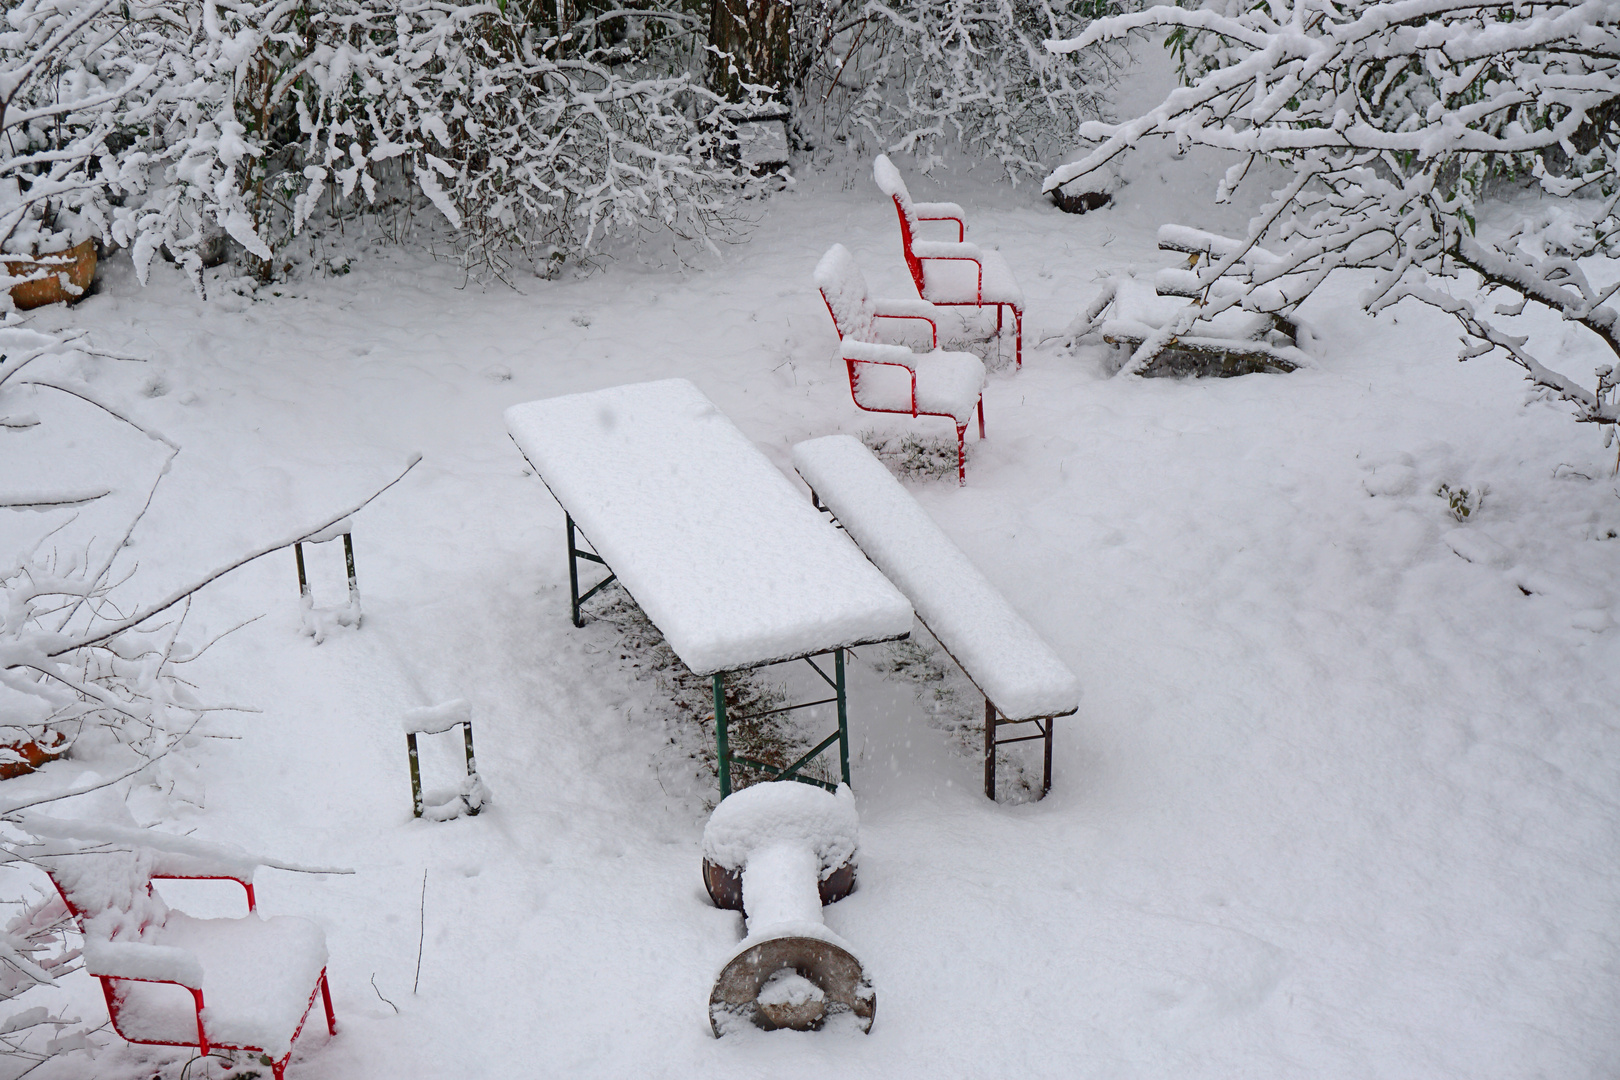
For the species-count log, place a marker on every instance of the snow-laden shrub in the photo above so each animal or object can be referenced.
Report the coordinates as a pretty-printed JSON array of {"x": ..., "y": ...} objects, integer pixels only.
[
  {"x": 1392, "y": 117},
  {"x": 919, "y": 76},
  {"x": 155, "y": 124},
  {"x": 524, "y": 139}
]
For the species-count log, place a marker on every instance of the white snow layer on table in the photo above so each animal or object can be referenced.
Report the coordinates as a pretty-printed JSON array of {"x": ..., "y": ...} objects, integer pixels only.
[
  {"x": 724, "y": 554},
  {"x": 783, "y": 812},
  {"x": 1001, "y": 653}
]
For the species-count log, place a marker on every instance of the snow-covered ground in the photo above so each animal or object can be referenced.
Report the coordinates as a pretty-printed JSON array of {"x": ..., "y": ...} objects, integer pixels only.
[{"x": 1340, "y": 800}]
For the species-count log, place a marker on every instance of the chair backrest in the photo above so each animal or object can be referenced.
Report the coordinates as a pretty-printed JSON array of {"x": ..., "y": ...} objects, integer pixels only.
[
  {"x": 889, "y": 180},
  {"x": 843, "y": 287},
  {"x": 109, "y": 892}
]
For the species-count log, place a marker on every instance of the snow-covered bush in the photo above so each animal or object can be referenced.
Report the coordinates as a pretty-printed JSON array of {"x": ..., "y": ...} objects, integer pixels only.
[
  {"x": 526, "y": 137},
  {"x": 158, "y": 123},
  {"x": 1395, "y": 118},
  {"x": 921, "y": 75}
]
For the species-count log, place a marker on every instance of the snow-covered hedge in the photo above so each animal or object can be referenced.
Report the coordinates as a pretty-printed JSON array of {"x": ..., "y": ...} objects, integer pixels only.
[
  {"x": 918, "y": 76},
  {"x": 153, "y": 123}
]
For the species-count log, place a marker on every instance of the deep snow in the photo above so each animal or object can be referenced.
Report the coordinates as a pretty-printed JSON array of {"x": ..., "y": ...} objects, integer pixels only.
[{"x": 1339, "y": 800}]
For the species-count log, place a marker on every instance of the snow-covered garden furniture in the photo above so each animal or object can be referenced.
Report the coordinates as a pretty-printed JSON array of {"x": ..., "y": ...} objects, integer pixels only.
[
  {"x": 1168, "y": 335},
  {"x": 952, "y": 273},
  {"x": 712, "y": 541},
  {"x": 1021, "y": 678},
  {"x": 170, "y": 979},
  {"x": 781, "y": 851},
  {"x": 468, "y": 796},
  {"x": 316, "y": 620},
  {"x": 889, "y": 377}
]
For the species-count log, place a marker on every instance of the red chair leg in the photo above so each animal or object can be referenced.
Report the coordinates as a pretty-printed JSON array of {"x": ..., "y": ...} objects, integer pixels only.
[
  {"x": 326, "y": 999},
  {"x": 981, "y": 418},
  {"x": 1018, "y": 347},
  {"x": 961, "y": 455}
]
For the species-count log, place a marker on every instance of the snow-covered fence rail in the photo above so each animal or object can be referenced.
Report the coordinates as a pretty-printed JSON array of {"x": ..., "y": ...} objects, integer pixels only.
[
  {"x": 1021, "y": 678},
  {"x": 778, "y": 852}
]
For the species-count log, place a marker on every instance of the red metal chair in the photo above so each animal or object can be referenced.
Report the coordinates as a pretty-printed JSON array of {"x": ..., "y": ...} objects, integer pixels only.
[
  {"x": 173, "y": 980},
  {"x": 889, "y": 377},
  {"x": 952, "y": 274}
]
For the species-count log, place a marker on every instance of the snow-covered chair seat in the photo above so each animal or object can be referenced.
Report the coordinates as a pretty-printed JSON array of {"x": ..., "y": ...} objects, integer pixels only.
[
  {"x": 170, "y": 979},
  {"x": 952, "y": 273},
  {"x": 891, "y": 378},
  {"x": 1160, "y": 327},
  {"x": 1021, "y": 678}
]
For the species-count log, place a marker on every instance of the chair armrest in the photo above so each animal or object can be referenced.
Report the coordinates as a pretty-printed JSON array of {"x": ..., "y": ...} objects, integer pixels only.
[
  {"x": 945, "y": 249},
  {"x": 902, "y": 308},
  {"x": 870, "y": 352},
  {"x": 909, "y": 309},
  {"x": 143, "y": 962},
  {"x": 942, "y": 211},
  {"x": 246, "y": 884}
]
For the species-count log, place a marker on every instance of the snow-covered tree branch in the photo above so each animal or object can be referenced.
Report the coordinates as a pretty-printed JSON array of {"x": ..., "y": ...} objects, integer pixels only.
[
  {"x": 917, "y": 75},
  {"x": 1396, "y": 119}
]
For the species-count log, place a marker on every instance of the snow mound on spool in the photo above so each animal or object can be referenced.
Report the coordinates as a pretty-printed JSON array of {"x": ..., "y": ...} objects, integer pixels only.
[{"x": 784, "y": 811}]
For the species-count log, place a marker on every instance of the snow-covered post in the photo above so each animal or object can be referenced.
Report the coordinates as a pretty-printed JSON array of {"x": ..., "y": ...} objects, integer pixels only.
[
  {"x": 778, "y": 852},
  {"x": 466, "y": 798}
]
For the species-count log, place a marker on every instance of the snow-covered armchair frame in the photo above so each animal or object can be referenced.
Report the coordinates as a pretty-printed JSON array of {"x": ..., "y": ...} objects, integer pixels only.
[
  {"x": 939, "y": 383},
  {"x": 989, "y": 284},
  {"x": 252, "y": 982},
  {"x": 1233, "y": 341}
]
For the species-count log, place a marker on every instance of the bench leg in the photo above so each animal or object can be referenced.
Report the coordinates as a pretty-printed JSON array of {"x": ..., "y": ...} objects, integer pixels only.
[
  {"x": 1046, "y": 775},
  {"x": 981, "y": 418},
  {"x": 989, "y": 750},
  {"x": 961, "y": 455}
]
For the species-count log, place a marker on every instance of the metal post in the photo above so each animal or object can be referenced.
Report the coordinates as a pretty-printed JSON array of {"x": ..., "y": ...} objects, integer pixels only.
[
  {"x": 303, "y": 582},
  {"x": 843, "y": 715},
  {"x": 989, "y": 750},
  {"x": 472, "y": 765},
  {"x": 1046, "y": 783},
  {"x": 573, "y": 571},
  {"x": 348, "y": 557},
  {"x": 723, "y": 750},
  {"x": 416, "y": 775}
]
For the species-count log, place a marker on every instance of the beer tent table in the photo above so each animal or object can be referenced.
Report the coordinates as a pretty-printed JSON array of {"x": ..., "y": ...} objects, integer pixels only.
[{"x": 724, "y": 554}]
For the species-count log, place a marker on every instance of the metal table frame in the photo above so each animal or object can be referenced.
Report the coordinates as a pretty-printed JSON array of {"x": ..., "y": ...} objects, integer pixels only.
[{"x": 726, "y": 759}]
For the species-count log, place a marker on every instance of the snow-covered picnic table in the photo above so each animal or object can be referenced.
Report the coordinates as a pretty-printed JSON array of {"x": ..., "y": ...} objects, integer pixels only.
[{"x": 721, "y": 551}]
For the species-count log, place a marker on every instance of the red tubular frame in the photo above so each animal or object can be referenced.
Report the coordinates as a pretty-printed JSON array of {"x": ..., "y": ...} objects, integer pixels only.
[
  {"x": 914, "y": 264},
  {"x": 114, "y": 1006},
  {"x": 849, "y": 364}
]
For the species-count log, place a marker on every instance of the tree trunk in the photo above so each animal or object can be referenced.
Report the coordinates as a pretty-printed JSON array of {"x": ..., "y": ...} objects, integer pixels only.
[{"x": 752, "y": 37}]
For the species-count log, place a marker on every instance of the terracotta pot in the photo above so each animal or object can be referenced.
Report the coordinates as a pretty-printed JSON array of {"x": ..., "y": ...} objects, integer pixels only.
[
  {"x": 33, "y": 754},
  {"x": 78, "y": 264}
]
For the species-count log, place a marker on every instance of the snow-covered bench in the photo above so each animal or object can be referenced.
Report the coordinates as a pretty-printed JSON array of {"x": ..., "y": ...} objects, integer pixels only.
[
  {"x": 170, "y": 979},
  {"x": 947, "y": 273},
  {"x": 889, "y": 377},
  {"x": 1021, "y": 678},
  {"x": 1130, "y": 312}
]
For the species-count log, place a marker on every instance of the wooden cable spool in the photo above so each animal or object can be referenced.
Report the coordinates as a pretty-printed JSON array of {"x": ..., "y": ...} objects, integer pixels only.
[{"x": 778, "y": 852}]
